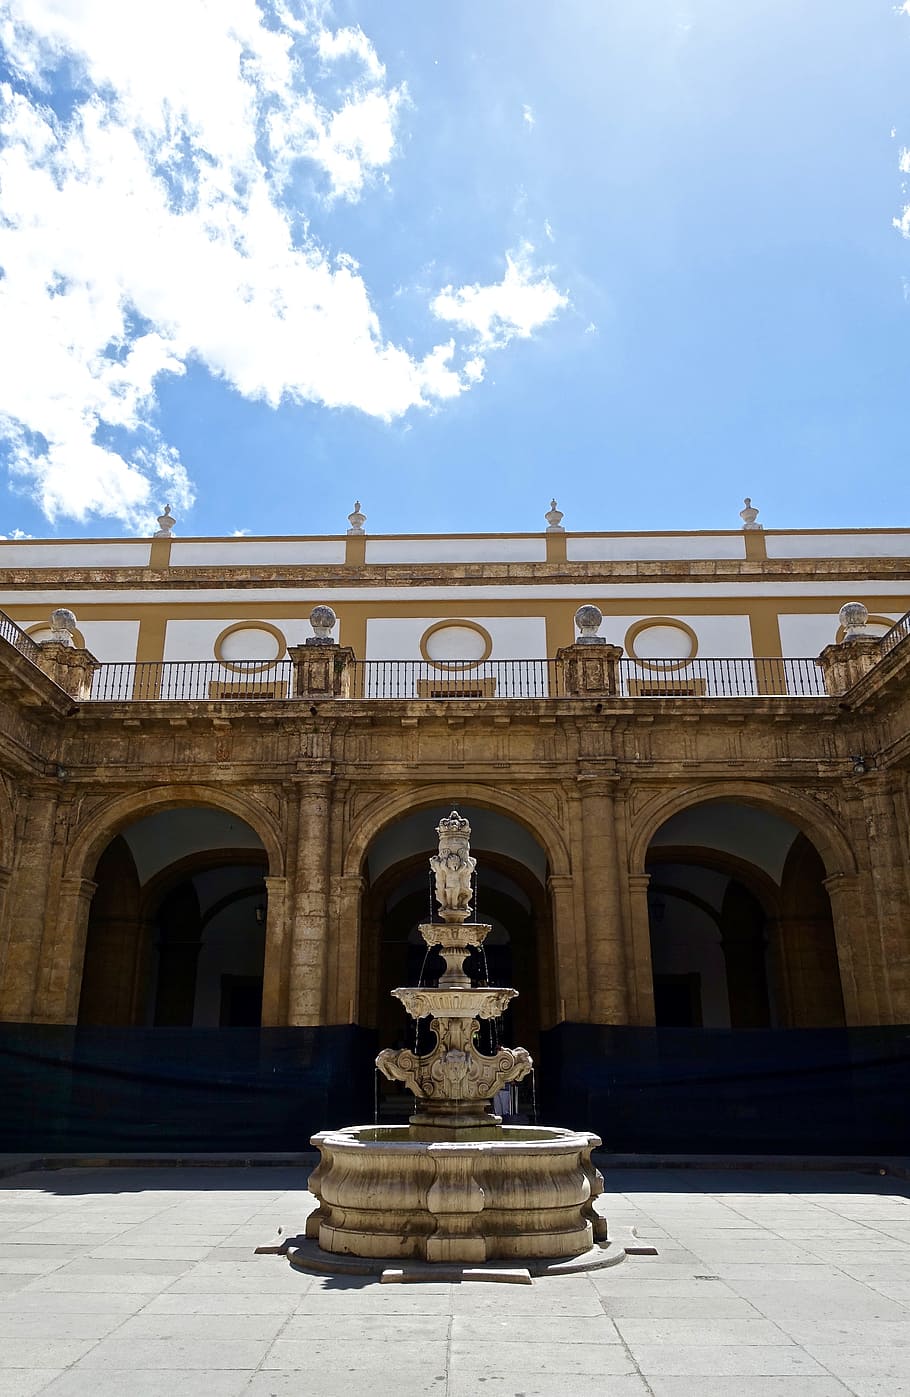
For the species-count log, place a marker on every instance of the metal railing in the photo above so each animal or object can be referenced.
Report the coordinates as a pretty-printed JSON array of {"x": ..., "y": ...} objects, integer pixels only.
[
  {"x": 187, "y": 680},
  {"x": 184, "y": 680},
  {"x": 736, "y": 678},
  {"x": 898, "y": 632},
  {"x": 456, "y": 679},
  {"x": 17, "y": 637}
]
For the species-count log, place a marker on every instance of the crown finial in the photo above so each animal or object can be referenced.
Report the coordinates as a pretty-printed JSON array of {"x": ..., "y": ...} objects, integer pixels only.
[
  {"x": 356, "y": 519},
  {"x": 166, "y": 522},
  {"x": 554, "y": 517},
  {"x": 749, "y": 515}
]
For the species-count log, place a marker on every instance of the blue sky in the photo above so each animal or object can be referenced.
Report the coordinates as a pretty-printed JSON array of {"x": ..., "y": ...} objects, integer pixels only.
[{"x": 263, "y": 259}]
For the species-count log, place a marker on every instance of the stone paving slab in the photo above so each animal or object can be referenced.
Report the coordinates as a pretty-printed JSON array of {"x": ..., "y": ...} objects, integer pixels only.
[{"x": 144, "y": 1281}]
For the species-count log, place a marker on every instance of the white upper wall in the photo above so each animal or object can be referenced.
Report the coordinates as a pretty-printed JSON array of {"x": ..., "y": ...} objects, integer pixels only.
[
  {"x": 91, "y": 553},
  {"x": 852, "y": 545},
  {"x": 615, "y": 548},
  {"x": 513, "y": 637},
  {"x": 256, "y": 552},
  {"x": 452, "y": 549}
]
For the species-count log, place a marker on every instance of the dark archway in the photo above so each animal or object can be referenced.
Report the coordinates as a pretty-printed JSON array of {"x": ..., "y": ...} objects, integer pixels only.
[
  {"x": 511, "y": 896},
  {"x": 740, "y": 922},
  {"x": 176, "y": 931}
]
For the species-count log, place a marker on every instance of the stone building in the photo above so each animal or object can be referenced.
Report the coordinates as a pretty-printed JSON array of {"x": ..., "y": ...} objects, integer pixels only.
[{"x": 215, "y": 813}]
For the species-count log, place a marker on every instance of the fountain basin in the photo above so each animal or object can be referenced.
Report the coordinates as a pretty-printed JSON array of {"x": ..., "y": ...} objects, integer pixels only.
[
  {"x": 471, "y": 1003},
  {"x": 511, "y": 1192}
]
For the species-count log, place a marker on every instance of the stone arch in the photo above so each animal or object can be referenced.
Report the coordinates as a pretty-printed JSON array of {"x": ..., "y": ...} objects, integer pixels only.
[
  {"x": 817, "y": 822},
  {"x": 96, "y": 832},
  {"x": 760, "y": 884},
  {"x": 798, "y": 950},
  {"x": 524, "y": 810}
]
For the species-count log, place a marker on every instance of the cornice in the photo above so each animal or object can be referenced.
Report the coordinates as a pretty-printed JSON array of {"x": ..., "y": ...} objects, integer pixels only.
[{"x": 865, "y": 571}]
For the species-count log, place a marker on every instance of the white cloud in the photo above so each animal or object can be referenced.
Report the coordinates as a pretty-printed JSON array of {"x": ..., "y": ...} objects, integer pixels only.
[
  {"x": 158, "y": 223},
  {"x": 528, "y": 117},
  {"x": 512, "y": 308},
  {"x": 904, "y": 161}
]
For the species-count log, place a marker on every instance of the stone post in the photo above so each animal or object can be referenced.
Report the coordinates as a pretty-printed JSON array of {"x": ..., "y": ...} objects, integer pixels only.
[
  {"x": 322, "y": 668},
  {"x": 603, "y": 915},
  {"x": 62, "y": 660},
  {"x": 588, "y": 673},
  {"x": 845, "y": 663},
  {"x": 589, "y": 668},
  {"x": 309, "y": 911},
  {"x": 323, "y": 674}
]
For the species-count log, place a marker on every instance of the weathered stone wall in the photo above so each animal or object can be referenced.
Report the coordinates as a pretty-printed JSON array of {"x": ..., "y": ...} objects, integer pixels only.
[{"x": 592, "y": 780}]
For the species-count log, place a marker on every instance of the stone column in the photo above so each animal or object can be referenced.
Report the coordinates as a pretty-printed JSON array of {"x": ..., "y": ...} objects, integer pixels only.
[
  {"x": 26, "y": 903},
  {"x": 850, "y": 913},
  {"x": 607, "y": 971},
  {"x": 309, "y": 914},
  {"x": 642, "y": 968},
  {"x": 347, "y": 895},
  {"x": 60, "y": 974},
  {"x": 274, "y": 984},
  {"x": 888, "y": 868},
  {"x": 571, "y": 988}
]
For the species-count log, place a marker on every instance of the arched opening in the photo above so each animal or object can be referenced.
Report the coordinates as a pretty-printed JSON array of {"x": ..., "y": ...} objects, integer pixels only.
[
  {"x": 176, "y": 929},
  {"x": 511, "y": 895},
  {"x": 740, "y": 922}
]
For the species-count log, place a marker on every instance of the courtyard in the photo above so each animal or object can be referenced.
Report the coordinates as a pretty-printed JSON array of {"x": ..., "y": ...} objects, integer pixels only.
[{"x": 145, "y": 1281}]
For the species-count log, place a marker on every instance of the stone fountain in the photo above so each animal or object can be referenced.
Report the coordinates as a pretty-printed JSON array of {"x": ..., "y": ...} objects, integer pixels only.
[{"x": 456, "y": 1185}]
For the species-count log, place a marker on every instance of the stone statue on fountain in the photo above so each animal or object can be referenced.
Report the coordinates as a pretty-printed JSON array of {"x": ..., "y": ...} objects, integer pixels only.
[
  {"x": 453, "y": 868},
  {"x": 454, "y": 1083}
]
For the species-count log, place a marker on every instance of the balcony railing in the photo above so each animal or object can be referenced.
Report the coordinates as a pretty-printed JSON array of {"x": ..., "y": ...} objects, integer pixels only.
[
  {"x": 898, "y": 632},
  {"x": 17, "y": 637},
  {"x": 182, "y": 680}
]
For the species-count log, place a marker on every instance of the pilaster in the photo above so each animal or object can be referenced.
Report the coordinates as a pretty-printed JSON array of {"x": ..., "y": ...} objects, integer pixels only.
[{"x": 310, "y": 903}]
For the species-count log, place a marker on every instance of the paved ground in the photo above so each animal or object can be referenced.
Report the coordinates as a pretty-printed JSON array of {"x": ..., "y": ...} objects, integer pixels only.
[{"x": 143, "y": 1283}]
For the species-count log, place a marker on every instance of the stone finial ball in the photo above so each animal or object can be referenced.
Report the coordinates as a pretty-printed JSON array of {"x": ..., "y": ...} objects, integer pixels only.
[
  {"x": 322, "y": 618},
  {"x": 853, "y": 617},
  {"x": 62, "y": 619},
  {"x": 588, "y": 617}
]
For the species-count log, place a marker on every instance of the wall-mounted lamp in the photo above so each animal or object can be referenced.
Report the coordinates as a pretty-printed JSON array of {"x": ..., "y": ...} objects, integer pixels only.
[
  {"x": 260, "y": 913},
  {"x": 859, "y": 765}
]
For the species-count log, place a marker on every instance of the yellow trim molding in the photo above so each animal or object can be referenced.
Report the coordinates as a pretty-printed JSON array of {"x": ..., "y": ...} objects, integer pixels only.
[
  {"x": 466, "y": 625},
  {"x": 250, "y": 666},
  {"x": 647, "y": 624}
]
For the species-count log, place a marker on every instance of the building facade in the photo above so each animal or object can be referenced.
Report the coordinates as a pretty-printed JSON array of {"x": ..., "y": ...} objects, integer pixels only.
[{"x": 703, "y": 824}]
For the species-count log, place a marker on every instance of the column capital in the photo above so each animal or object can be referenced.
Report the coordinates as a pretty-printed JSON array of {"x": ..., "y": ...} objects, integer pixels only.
[
  {"x": 78, "y": 887},
  {"x": 638, "y": 882}
]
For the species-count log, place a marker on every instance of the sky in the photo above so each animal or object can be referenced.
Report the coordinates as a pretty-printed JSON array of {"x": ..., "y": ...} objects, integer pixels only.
[{"x": 260, "y": 259}]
